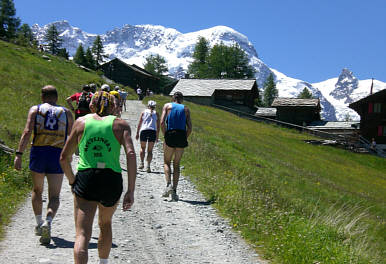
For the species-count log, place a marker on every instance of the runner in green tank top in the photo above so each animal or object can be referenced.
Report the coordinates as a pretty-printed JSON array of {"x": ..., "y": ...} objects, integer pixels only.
[{"x": 98, "y": 182}]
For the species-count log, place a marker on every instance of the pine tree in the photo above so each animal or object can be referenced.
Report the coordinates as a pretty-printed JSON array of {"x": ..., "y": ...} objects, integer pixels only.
[
  {"x": 80, "y": 57},
  {"x": 90, "y": 59},
  {"x": 98, "y": 52},
  {"x": 63, "y": 53},
  {"x": 270, "y": 91},
  {"x": 54, "y": 41},
  {"x": 25, "y": 36},
  {"x": 199, "y": 67},
  {"x": 9, "y": 24},
  {"x": 305, "y": 94}
]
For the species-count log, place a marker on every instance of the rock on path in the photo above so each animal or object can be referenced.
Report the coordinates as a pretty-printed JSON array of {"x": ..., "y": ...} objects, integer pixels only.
[{"x": 155, "y": 230}]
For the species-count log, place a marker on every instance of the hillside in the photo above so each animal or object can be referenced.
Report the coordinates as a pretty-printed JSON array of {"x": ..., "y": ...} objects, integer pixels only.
[{"x": 23, "y": 72}]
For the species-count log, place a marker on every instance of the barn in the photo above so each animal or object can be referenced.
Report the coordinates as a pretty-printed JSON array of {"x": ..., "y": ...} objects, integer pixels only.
[
  {"x": 130, "y": 75},
  {"x": 297, "y": 111},
  {"x": 231, "y": 93},
  {"x": 372, "y": 110}
]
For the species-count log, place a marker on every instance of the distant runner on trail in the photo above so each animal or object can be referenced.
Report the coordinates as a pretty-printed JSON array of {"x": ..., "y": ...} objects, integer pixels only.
[
  {"x": 147, "y": 131},
  {"x": 98, "y": 182},
  {"x": 176, "y": 127},
  {"x": 82, "y": 99},
  {"x": 50, "y": 124},
  {"x": 123, "y": 95}
]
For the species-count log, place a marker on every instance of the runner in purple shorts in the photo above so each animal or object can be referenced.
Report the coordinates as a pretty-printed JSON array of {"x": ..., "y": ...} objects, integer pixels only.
[{"x": 50, "y": 124}]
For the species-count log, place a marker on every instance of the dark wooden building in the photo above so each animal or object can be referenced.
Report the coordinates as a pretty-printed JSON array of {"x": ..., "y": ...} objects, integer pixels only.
[
  {"x": 232, "y": 93},
  {"x": 130, "y": 75},
  {"x": 372, "y": 110},
  {"x": 297, "y": 111}
]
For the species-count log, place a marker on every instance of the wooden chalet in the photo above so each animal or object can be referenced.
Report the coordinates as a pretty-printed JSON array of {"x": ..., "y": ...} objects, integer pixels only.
[
  {"x": 297, "y": 111},
  {"x": 231, "y": 93},
  {"x": 372, "y": 110},
  {"x": 346, "y": 128},
  {"x": 130, "y": 75}
]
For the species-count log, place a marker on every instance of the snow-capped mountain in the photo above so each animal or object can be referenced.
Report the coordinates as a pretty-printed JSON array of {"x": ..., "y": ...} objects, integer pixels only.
[{"x": 133, "y": 44}]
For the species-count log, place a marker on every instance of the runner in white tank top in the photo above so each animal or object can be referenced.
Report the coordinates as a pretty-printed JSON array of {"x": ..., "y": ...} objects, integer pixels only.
[{"x": 148, "y": 131}]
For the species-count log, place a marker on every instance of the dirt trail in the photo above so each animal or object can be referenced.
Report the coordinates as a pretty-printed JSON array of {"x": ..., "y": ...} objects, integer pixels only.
[{"x": 155, "y": 230}]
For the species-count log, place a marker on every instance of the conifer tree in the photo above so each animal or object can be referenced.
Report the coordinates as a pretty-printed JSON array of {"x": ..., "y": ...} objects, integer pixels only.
[
  {"x": 305, "y": 94},
  {"x": 54, "y": 41},
  {"x": 199, "y": 66},
  {"x": 98, "y": 52},
  {"x": 63, "y": 53},
  {"x": 25, "y": 36},
  {"x": 270, "y": 91},
  {"x": 9, "y": 24},
  {"x": 90, "y": 62},
  {"x": 80, "y": 57}
]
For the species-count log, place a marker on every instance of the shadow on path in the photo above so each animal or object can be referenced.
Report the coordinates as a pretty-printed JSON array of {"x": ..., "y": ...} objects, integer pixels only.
[
  {"x": 196, "y": 202},
  {"x": 62, "y": 243}
]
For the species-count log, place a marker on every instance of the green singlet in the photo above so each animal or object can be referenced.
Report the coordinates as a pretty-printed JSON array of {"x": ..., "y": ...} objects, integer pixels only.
[{"x": 98, "y": 147}]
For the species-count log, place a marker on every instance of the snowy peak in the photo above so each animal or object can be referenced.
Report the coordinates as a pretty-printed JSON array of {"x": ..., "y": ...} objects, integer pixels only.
[{"x": 345, "y": 86}]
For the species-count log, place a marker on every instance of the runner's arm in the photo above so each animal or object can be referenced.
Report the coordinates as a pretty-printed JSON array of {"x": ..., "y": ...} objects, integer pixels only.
[
  {"x": 158, "y": 127},
  {"x": 139, "y": 126},
  {"x": 69, "y": 102},
  {"x": 69, "y": 149},
  {"x": 25, "y": 137},
  {"x": 188, "y": 122},
  {"x": 70, "y": 122},
  {"x": 163, "y": 117},
  {"x": 131, "y": 162}
]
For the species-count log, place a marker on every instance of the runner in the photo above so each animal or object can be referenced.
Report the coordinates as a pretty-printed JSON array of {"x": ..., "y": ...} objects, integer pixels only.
[
  {"x": 148, "y": 131},
  {"x": 123, "y": 95},
  {"x": 139, "y": 92},
  {"x": 98, "y": 182},
  {"x": 105, "y": 88},
  {"x": 117, "y": 99},
  {"x": 176, "y": 127},
  {"x": 82, "y": 99},
  {"x": 50, "y": 125}
]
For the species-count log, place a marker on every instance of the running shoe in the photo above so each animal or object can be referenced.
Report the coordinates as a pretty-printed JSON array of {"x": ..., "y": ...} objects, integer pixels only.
[
  {"x": 38, "y": 230},
  {"x": 168, "y": 190},
  {"x": 141, "y": 166},
  {"x": 174, "y": 196},
  {"x": 46, "y": 233},
  {"x": 148, "y": 169}
]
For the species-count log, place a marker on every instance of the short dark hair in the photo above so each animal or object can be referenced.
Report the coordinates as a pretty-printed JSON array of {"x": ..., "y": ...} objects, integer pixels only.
[
  {"x": 49, "y": 92},
  {"x": 86, "y": 88},
  {"x": 178, "y": 96}
]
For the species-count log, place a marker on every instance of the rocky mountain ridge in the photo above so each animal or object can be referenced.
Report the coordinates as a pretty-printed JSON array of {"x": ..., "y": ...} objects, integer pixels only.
[{"x": 133, "y": 43}]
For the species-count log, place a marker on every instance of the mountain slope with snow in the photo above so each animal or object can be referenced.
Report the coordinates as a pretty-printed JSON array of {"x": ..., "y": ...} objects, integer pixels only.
[{"x": 133, "y": 43}]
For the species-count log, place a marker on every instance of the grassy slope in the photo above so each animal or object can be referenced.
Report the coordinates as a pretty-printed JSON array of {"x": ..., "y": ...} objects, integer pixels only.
[
  {"x": 296, "y": 202},
  {"x": 23, "y": 72}
]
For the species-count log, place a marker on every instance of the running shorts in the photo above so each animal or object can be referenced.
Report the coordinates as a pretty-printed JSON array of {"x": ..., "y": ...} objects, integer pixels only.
[
  {"x": 176, "y": 138},
  {"x": 148, "y": 135},
  {"x": 100, "y": 185},
  {"x": 45, "y": 159}
]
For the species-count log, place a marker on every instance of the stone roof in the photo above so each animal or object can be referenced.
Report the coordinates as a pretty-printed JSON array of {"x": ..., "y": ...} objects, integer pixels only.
[
  {"x": 206, "y": 87},
  {"x": 266, "y": 111},
  {"x": 295, "y": 102},
  {"x": 333, "y": 124}
]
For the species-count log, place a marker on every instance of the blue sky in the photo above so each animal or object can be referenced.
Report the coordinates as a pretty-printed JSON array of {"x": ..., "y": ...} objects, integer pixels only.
[{"x": 312, "y": 40}]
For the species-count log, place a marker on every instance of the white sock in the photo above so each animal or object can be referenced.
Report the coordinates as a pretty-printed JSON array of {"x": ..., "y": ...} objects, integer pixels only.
[
  {"x": 49, "y": 219},
  {"x": 103, "y": 261},
  {"x": 38, "y": 219}
]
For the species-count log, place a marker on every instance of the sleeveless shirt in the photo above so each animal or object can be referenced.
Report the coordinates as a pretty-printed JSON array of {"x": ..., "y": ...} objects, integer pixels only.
[
  {"x": 176, "y": 118},
  {"x": 149, "y": 120},
  {"x": 50, "y": 126},
  {"x": 98, "y": 147}
]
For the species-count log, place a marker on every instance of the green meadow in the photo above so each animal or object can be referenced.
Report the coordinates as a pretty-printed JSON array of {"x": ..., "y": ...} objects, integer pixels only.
[{"x": 294, "y": 202}]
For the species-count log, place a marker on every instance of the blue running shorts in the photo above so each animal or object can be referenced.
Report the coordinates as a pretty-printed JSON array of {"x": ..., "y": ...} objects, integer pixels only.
[{"x": 45, "y": 159}]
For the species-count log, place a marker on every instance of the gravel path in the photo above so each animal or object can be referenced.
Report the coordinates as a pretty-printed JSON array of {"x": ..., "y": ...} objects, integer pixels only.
[{"x": 155, "y": 230}]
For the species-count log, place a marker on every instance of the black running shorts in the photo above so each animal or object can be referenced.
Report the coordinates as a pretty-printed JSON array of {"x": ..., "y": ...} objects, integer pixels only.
[
  {"x": 147, "y": 135},
  {"x": 100, "y": 185},
  {"x": 176, "y": 138}
]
